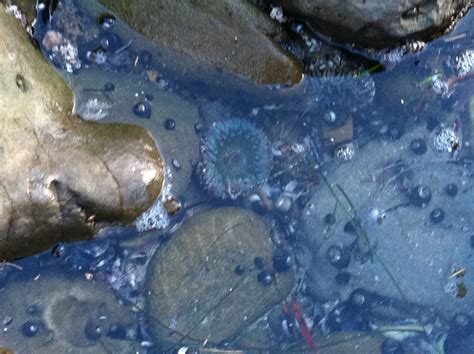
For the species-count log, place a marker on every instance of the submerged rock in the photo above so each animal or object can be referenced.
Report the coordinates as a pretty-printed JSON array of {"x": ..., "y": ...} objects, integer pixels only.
[
  {"x": 417, "y": 227},
  {"x": 229, "y": 34},
  {"x": 59, "y": 172},
  {"x": 58, "y": 314},
  {"x": 204, "y": 285},
  {"x": 373, "y": 23}
]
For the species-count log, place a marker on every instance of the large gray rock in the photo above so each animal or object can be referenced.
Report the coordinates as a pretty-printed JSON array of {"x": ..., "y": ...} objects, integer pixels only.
[
  {"x": 375, "y": 23},
  {"x": 429, "y": 258},
  {"x": 194, "y": 294},
  {"x": 60, "y": 173}
]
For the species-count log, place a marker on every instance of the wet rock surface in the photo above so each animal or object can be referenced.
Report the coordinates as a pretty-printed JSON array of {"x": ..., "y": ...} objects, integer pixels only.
[
  {"x": 376, "y": 23},
  {"x": 59, "y": 173},
  {"x": 212, "y": 272},
  {"x": 179, "y": 146},
  {"x": 62, "y": 314},
  {"x": 232, "y": 35},
  {"x": 412, "y": 200}
]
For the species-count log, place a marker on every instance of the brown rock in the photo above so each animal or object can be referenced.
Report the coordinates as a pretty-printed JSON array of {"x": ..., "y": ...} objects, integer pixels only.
[
  {"x": 228, "y": 34},
  {"x": 192, "y": 285},
  {"x": 58, "y": 172}
]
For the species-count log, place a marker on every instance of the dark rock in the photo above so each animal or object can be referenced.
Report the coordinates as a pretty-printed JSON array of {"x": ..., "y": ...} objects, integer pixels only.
[
  {"x": 375, "y": 23},
  {"x": 45, "y": 200}
]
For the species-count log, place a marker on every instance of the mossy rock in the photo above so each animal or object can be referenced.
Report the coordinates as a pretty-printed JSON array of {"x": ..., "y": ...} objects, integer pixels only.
[{"x": 193, "y": 292}]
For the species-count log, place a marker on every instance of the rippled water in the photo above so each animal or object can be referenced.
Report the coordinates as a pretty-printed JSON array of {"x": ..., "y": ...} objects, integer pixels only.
[{"x": 364, "y": 176}]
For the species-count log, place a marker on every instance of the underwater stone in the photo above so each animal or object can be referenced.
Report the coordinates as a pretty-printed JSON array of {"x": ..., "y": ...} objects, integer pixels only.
[
  {"x": 170, "y": 124},
  {"x": 106, "y": 20},
  {"x": 437, "y": 215},
  {"x": 229, "y": 34},
  {"x": 142, "y": 110},
  {"x": 76, "y": 313},
  {"x": 418, "y": 146},
  {"x": 203, "y": 260},
  {"x": 265, "y": 277},
  {"x": 58, "y": 170},
  {"x": 420, "y": 195},
  {"x": 370, "y": 181},
  {"x": 451, "y": 189}
]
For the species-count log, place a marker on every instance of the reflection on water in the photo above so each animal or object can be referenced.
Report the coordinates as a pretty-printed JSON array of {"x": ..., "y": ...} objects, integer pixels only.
[{"x": 333, "y": 216}]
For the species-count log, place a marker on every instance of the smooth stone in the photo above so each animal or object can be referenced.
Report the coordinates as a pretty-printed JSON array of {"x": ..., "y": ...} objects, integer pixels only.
[
  {"x": 58, "y": 170},
  {"x": 420, "y": 255},
  {"x": 229, "y": 34},
  {"x": 72, "y": 315},
  {"x": 192, "y": 285},
  {"x": 374, "y": 23}
]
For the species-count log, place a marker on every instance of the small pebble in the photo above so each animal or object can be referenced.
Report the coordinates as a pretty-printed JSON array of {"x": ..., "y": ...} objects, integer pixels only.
[
  {"x": 30, "y": 328},
  {"x": 330, "y": 219},
  {"x": 282, "y": 260},
  {"x": 338, "y": 256},
  {"x": 239, "y": 270},
  {"x": 265, "y": 277},
  {"x": 283, "y": 203},
  {"x": 106, "y": 20},
  {"x": 176, "y": 164},
  {"x": 34, "y": 310},
  {"x": 198, "y": 128},
  {"x": 58, "y": 250},
  {"x": 359, "y": 298},
  {"x": 20, "y": 82},
  {"x": 302, "y": 200},
  {"x": 142, "y": 110},
  {"x": 111, "y": 42},
  {"x": 172, "y": 206},
  {"x": 170, "y": 124},
  {"x": 420, "y": 195},
  {"x": 349, "y": 227},
  {"x": 437, "y": 215},
  {"x": 418, "y": 146},
  {"x": 451, "y": 189},
  {"x": 109, "y": 87},
  {"x": 7, "y": 321}
]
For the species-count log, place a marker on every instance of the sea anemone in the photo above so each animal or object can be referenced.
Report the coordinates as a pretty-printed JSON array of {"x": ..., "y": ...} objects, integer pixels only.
[
  {"x": 337, "y": 96},
  {"x": 235, "y": 158}
]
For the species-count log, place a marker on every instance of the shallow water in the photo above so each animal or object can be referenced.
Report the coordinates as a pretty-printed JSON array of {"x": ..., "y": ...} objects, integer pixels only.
[{"x": 366, "y": 180}]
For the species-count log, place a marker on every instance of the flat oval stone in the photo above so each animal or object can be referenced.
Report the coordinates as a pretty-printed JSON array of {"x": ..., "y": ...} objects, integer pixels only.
[{"x": 193, "y": 286}]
